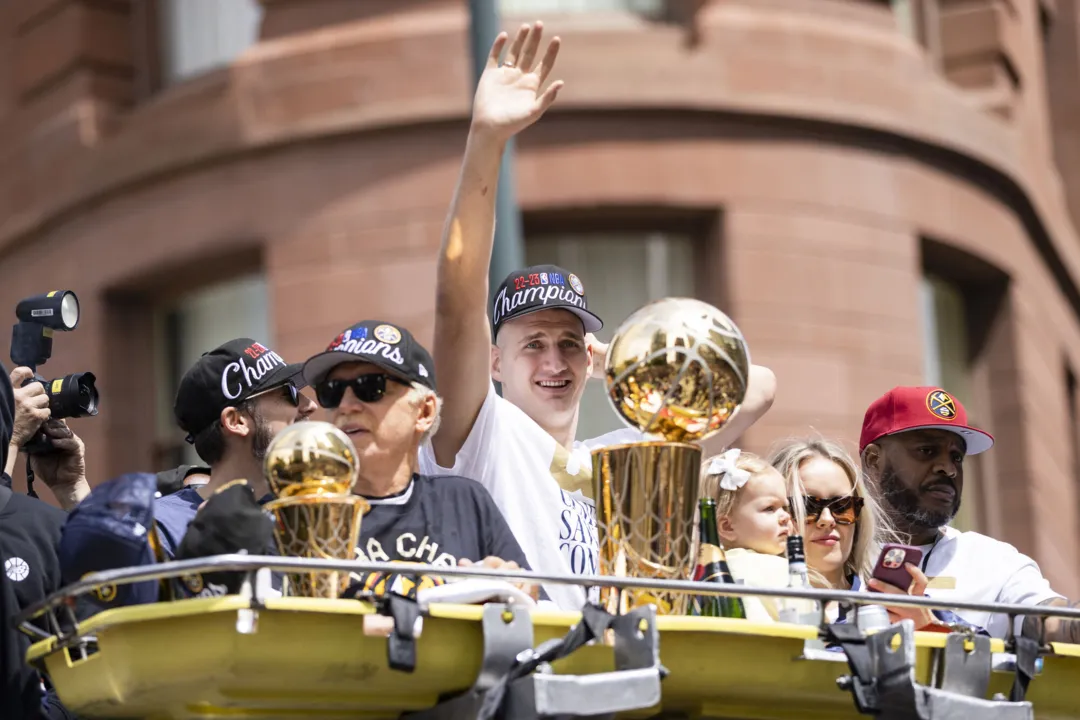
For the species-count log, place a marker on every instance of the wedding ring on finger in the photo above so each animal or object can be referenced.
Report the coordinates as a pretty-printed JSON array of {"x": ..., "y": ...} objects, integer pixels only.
[{"x": 509, "y": 65}]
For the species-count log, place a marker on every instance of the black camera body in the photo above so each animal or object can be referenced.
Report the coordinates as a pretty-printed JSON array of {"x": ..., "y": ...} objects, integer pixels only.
[{"x": 71, "y": 396}]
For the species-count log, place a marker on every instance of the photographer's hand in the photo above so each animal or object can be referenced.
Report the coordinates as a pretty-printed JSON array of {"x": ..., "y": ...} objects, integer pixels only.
[
  {"x": 64, "y": 469},
  {"x": 31, "y": 406},
  {"x": 31, "y": 409}
]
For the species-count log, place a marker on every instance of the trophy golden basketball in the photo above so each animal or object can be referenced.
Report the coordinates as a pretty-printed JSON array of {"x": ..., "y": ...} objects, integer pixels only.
[
  {"x": 311, "y": 468},
  {"x": 677, "y": 370}
]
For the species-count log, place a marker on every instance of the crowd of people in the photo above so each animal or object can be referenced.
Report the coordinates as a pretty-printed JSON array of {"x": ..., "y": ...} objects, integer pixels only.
[{"x": 456, "y": 473}]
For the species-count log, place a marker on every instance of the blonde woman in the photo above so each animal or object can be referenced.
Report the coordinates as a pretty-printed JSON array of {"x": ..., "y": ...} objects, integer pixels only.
[
  {"x": 843, "y": 526},
  {"x": 841, "y": 523}
]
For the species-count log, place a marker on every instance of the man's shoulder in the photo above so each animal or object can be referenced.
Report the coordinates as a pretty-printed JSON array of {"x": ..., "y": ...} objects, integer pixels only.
[
  {"x": 615, "y": 437},
  {"x": 449, "y": 485},
  {"x": 185, "y": 498},
  {"x": 974, "y": 542},
  {"x": 177, "y": 509}
]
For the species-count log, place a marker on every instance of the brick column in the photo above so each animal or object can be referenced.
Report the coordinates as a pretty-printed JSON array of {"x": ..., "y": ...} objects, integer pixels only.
[{"x": 67, "y": 51}]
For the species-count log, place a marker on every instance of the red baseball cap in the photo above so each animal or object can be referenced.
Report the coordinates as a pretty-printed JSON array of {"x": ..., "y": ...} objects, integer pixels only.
[{"x": 918, "y": 408}]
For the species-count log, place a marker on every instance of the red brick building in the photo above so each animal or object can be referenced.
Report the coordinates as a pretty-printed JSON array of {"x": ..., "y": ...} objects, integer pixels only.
[{"x": 878, "y": 192}]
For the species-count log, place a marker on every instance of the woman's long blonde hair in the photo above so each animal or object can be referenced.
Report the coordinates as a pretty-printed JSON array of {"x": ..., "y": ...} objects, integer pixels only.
[{"x": 872, "y": 529}]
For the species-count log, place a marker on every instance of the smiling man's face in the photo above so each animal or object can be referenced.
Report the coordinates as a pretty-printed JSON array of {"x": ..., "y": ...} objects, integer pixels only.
[
  {"x": 920, "y": 477},
  {"x": 543, "y": 363}
]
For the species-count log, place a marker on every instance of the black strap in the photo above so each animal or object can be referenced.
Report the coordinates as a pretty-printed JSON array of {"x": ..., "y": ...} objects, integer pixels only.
[
  {"x": 401, "y": 645},
  {"x": 1027, "y": 653},
  {"x": 30, "y": 478},
  {"x": 5, "y": 495},
  {"x": 594, "y": 622}
]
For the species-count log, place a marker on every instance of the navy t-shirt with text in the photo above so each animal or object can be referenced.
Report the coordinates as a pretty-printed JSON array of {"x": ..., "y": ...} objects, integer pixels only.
[{"x": 437, "y": 521}]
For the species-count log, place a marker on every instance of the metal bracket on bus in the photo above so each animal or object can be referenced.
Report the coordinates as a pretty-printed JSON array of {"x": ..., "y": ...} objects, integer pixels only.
[
  {"x": 883, "y": 677},
  {"x": 508, "y": 644}
]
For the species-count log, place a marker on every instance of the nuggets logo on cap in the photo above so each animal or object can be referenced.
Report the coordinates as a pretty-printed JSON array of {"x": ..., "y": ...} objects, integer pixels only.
[
  {"x": 575, "y": 282},
  {"x": 941, "y": 404},
  {"x": 388, "y": 334}
]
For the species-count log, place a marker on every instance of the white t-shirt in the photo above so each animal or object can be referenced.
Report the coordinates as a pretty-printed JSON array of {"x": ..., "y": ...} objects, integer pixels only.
[
  {"x": 543, "y": 490},
  {"x": 970, "y": 567}
]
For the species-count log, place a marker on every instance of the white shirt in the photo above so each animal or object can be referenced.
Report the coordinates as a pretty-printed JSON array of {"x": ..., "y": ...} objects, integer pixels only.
[
  {"x": 543, "y": 490},
  {"x": 970, "y": 567}
]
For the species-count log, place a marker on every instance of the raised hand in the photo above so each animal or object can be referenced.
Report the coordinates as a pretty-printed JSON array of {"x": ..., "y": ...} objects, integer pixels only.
[{"x": 508, "y": 97}]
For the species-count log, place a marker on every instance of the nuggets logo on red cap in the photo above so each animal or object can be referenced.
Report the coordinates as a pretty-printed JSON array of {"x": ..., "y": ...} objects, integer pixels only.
[{"x": 941, "y": 405}]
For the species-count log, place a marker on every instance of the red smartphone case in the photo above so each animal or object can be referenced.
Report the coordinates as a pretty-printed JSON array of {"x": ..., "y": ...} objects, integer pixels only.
[{"x": 890, "y": 565}]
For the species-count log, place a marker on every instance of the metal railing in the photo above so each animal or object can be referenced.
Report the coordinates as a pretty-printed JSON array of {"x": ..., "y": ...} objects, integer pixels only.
[{"x": 252, "y": 563}]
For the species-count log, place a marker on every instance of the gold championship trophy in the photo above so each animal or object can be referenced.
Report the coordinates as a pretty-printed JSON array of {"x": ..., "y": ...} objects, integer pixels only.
[
  {"x": 677, "y": 370},
  {"x": 311, "y": 468}
]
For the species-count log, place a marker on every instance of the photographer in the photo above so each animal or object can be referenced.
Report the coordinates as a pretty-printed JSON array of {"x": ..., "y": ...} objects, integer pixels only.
[
  {"x": 64, "y": 469},
  {"x": 29, "y": 534}
]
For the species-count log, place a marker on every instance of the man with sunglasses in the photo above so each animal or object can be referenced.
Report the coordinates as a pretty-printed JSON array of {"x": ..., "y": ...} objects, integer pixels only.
[
  {"x": 913, "y": 445},
  {"x": 379, "y": 383},
  {"x": 231, "y": 402}
]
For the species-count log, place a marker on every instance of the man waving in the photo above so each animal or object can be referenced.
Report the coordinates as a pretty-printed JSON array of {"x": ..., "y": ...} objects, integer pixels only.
[{"x": 523, "y": 446}]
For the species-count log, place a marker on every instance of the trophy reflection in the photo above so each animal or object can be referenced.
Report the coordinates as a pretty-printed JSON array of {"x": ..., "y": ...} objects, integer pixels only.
[
  {"x": 311, "y": 468},
  {"x": 677, "y": 369}
]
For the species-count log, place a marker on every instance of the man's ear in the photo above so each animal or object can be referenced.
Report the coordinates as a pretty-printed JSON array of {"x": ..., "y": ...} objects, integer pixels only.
[
  {"x": 429, "y": 407},
  {"x": 496, "y": 363},
  {"x": 872, "y": 459},
  {"x": 235, "y": 422}
]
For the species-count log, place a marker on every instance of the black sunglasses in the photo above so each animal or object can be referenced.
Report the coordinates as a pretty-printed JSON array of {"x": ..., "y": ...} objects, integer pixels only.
[
  {"x": 367, "y": 388},
  {"x": 845, "y": 510},
  {"x": 291, "y": 392}
]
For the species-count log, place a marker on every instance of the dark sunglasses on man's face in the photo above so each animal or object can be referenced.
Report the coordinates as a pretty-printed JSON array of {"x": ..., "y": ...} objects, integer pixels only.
[
  {"x": 844, "y": 510},
  {"x": 292, "y": 393},
  {"x": 367, "y": 389}
]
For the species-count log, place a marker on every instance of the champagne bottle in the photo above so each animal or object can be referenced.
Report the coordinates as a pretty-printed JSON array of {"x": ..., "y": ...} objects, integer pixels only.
[
  {"x": 712, "y": 567},
  {"x": 797, "y": 610}
]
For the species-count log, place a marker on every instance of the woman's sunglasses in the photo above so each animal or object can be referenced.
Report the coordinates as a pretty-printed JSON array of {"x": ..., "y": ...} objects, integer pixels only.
[
  {"x": 367, "y": 389},
  {"x": 845, "y": 510}
]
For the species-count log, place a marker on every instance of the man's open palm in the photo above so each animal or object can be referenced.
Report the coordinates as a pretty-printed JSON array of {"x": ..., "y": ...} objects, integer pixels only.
[{"x": 508, "y": 97}]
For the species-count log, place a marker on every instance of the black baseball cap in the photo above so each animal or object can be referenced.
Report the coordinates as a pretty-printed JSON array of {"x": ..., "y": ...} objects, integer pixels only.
[
  {"x": 390, "y": 346},
  {"x": 541, "y": 287},
  {"x": 226, "y": 376}
]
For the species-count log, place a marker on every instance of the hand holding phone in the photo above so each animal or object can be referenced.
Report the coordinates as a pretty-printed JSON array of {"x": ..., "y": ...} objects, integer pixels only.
[{"x": 890, "y": 565}]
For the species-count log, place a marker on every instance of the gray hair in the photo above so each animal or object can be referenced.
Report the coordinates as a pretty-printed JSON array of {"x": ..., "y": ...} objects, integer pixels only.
[{"x": 418, "y": 394}]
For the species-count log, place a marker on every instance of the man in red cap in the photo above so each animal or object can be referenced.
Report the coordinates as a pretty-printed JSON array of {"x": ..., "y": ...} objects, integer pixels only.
[{"x": 913, "y": 444}]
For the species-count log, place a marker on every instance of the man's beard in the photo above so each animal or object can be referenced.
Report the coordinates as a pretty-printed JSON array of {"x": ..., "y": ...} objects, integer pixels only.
[
  {"x": 261, "y": 438},
  {"x": 903, "y": 503}
]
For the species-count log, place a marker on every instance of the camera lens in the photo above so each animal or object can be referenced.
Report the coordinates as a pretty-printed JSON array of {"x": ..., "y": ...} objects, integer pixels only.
[{"x": 73, "y": 396}]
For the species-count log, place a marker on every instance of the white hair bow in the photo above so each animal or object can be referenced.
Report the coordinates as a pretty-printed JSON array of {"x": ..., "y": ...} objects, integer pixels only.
[{"x": 732, "y": 477}]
